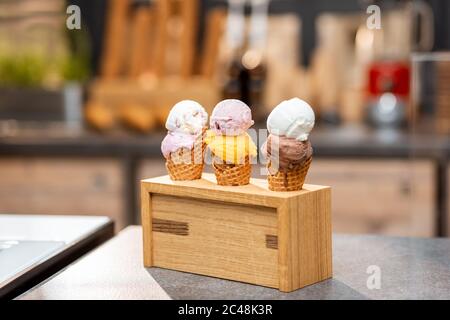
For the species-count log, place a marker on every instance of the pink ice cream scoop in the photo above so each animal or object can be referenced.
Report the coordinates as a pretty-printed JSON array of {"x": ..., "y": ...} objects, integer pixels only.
[
  {"x": 176, "y": 140},
  {"x": 231, "y": 117}
]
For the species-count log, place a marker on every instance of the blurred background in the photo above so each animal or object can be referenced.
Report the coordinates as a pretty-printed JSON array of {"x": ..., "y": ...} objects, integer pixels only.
[{"x": 82, "y": 111}]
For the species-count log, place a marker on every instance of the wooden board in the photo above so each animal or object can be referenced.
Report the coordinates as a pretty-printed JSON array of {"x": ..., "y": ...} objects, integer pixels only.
[
  {"x": 231, "y": 245},
  {"x": 246, "y": 233}
]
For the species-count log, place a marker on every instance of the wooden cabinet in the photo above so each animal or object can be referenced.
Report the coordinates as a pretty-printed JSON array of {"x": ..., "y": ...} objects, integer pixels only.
[
  {"x": 150, "y": 168},
  {"x": 392, "y": 197},
  {"x": 85, "y": 186}
]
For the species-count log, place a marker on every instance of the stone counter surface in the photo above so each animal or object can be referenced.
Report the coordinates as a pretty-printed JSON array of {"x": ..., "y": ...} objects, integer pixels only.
[{"x": 409, "y": 268}]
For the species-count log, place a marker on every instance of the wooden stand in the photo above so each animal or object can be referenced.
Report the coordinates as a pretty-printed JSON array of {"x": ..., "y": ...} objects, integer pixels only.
[{"x": 248, "y": 233}]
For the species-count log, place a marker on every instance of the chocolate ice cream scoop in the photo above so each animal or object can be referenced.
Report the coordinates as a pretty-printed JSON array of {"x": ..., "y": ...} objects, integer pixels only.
[{"x": 285, "y": 153}]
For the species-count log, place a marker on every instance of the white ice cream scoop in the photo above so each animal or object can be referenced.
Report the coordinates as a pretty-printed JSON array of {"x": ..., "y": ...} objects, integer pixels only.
[
  {"x": 292, "y": 118},
  {"x": 187, "y": 116}
]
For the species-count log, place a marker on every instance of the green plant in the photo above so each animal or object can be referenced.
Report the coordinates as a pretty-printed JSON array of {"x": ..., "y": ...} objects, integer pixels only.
[
  {"x": 24, "y": 70},
  {"x": 76, "y": 66}
]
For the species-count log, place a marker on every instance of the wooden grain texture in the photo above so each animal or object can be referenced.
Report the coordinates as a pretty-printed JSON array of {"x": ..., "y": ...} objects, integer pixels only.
[
  {"x": 170, "y": 226},
  {"x": 255, "y": 193},
  {"x": 246, "y": 233},
  {"x": 271, "y": 241},
  {"x": 226, "y": 240},
  {"x": 310, "y": 226},
  {"x": 146, "y": 220}
]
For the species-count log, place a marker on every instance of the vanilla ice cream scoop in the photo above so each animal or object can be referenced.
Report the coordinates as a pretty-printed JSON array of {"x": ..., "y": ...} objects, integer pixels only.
[
  {"x": 292, "y": 118},
  {"x": 187, "y": 116}
]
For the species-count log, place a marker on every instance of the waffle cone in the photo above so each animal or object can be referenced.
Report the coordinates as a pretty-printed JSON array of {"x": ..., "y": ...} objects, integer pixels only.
[
  {"x": 186, "y": 164},
  {"x": 232, "y": 174},
  {"x": 291, "y": 180}
]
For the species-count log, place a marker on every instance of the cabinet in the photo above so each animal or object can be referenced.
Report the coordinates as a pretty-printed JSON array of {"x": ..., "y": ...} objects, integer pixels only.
[
  {"x": 84, "y": 186},
  {"x": 149, "y": 168},
  {"x": 391, "y": 197}
]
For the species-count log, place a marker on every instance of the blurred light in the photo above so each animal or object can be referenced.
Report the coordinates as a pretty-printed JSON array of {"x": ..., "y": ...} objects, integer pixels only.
[
  {"x": 251, "y": 59},
  {"x": 147, "y": 80},
  {"x": 8, "y": 128},
  {"x": 364, "y": 38},
  {"x": 388, "y": 101}
]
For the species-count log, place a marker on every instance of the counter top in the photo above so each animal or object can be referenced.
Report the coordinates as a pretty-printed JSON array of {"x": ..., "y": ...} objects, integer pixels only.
[{"x": 409, "y": 268}]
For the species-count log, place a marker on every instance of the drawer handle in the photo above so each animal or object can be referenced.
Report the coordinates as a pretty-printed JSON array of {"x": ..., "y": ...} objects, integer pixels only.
[
  {"x": 271, "y": 241},
  {"x": 170, "y": 226}
]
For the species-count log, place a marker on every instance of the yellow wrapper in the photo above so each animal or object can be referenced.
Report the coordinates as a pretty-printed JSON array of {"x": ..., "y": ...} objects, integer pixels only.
[{"x": 231, "y": 149}]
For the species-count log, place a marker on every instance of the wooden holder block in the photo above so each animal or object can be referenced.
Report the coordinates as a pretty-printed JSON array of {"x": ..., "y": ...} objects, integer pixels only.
[{"x": 247, "y": 233}]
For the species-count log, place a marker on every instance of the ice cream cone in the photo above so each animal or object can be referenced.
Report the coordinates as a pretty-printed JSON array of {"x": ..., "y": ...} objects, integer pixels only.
[
  {"x": 185, "y": 164},
  {"x": 289, "y": 180},
  {"x": 184, "y": 145},
  {"x": 287, "y": 147},
  {"x": 230, "y": 144},
  {"x": 232, "y": 174}
]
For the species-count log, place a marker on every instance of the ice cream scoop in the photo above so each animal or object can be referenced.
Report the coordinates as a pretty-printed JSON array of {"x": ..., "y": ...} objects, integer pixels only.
[
  {"x": 285, "y": 153},
  {"x": 292, "y": 118},
  {"x": 231, "y": 149},
  {"x": 231, "y": 117},
  {"x": 187, "y": 116},
  {"x": 176, "y": 140}
]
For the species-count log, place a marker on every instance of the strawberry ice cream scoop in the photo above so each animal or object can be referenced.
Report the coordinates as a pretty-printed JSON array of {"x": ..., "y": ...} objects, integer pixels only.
[
  {"x": 231, "y": 117},
  {"x": 176, "y": 140}
]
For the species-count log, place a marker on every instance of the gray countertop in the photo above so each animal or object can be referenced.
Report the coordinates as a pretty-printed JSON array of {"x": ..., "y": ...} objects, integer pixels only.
[{"x": 409, "y": 268}]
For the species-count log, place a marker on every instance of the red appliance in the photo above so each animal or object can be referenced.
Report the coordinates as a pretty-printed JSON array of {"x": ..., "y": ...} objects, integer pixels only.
[{"x": 389, "y": 76}]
